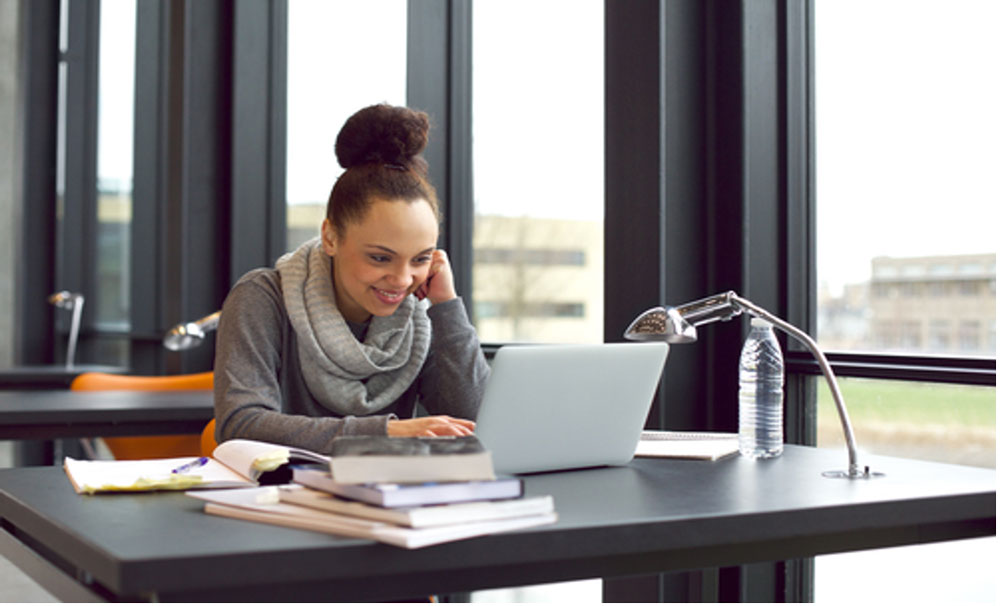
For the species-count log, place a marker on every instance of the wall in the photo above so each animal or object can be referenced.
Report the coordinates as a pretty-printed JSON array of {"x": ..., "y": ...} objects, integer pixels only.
[{"x": 10, "y": 168}]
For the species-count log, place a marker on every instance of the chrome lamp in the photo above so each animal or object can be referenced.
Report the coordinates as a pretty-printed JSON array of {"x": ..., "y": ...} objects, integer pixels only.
[
  {"x": 188, "y": 335},
  {"x": 678, "y": 325},
  {"x": 74, "y": 302}
]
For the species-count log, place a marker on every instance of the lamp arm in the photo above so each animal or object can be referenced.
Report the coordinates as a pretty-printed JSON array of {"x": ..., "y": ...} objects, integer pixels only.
[{"x": 802, "y": 336}]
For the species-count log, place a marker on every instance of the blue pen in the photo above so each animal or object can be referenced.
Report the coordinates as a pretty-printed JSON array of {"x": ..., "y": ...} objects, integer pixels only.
[{"x": 192, "y": 465}]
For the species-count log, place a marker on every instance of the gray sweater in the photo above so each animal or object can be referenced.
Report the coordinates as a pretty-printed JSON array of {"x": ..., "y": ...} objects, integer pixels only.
[{"x": 260, "y": 393}]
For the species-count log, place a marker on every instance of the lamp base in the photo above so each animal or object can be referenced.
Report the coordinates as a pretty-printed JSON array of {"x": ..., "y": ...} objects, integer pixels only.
[{"x": 867, "y": 474}]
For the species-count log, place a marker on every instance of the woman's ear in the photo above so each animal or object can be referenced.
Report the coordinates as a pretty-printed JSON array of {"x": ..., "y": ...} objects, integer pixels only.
[{"x": 329, "y": 237}]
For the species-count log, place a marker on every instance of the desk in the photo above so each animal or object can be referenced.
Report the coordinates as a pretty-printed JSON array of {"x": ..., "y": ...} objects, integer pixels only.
[
  {"x": 42, "y": 415},
  {"x": 651, "y": 516},
  {"x": 48, "y": 376}
]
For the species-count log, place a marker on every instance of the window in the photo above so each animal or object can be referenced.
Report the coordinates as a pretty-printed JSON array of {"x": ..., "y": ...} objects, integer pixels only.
[
  {"x": 327, "y": 84},
  {"x": 114, "y": 162},
  {"x": 538, "y": 165},
  {"x": 903, "y": 132},
  {"x": 903, "y": 138}
]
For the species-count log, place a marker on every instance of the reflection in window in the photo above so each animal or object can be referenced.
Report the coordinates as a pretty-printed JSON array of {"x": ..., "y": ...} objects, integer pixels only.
[
  {"x": 538, "y": 163},
  {"x": 342, "y": 55}
]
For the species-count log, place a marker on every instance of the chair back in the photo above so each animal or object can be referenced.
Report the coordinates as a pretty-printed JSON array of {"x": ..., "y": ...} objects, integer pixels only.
[{"x": 148, "y": 447}]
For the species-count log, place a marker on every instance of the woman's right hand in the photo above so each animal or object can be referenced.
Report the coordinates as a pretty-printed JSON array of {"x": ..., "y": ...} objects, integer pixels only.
[{"x": 434, "y": 426}]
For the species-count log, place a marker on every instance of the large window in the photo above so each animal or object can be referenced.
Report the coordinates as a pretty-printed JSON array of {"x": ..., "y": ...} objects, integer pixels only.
[
  {"x": 906, "y": 125},
  {"x": 906, "y": 122},
  {"x": 906, "y": 194},
  {"x": 538, "y": 165},
  {"x": 342, "y": 56}
]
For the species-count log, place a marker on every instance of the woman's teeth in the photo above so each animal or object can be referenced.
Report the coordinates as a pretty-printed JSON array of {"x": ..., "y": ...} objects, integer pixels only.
[{"x": 392, "y": 297}]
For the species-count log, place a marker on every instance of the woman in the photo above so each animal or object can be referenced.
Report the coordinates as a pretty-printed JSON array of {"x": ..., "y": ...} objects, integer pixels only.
[{"x": 347, "y": 332}]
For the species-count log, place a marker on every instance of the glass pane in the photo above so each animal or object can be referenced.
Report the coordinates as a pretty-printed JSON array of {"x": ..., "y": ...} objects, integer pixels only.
[
  {"x": 906, "y": 127},
  {"x": 929, "y": 421},
  {"x": 342, "y": 55},
  {"x": 116, "y": 94},
  {"x": 538, "y": 162},
  {"x": 946, "y": 423}
]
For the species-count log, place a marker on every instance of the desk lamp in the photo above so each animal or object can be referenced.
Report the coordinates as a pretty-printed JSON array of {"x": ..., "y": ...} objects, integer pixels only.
[
  {"x": 73, "y": 301},
  {"x": 678, "y": 325},
  {"x": 188, "y": 335}
]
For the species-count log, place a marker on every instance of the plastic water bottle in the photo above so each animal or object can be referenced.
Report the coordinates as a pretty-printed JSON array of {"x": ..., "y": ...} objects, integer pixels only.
[{"x": 762, "y": 378}]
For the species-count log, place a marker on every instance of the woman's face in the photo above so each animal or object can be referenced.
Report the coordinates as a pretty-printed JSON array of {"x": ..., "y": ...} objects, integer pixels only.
[{"x": 383, "y": 258}]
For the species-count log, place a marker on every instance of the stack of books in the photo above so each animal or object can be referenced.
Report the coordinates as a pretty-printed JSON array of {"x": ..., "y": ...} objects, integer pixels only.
[{"x": 408, "y": 492}]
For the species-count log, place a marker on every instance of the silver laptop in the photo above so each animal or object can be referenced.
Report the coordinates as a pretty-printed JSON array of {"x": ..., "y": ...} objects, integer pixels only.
[{"x": 550, "y": 407}]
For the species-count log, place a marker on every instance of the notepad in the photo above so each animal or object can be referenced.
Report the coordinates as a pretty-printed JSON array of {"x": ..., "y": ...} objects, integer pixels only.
[{"x": 703, "y": 445}]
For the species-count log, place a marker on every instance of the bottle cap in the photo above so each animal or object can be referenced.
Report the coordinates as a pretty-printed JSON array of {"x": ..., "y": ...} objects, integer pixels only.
[{"x": 759, "y": 323}]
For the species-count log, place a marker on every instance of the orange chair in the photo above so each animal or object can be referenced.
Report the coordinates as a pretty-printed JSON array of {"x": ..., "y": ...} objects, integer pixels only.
[
  {"x": 208, "y": 442},
  {"x": 176, "y": 445}
]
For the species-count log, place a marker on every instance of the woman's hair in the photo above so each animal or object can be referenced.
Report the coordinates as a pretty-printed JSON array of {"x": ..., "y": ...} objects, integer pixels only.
[{"x": 380, "y": 148}]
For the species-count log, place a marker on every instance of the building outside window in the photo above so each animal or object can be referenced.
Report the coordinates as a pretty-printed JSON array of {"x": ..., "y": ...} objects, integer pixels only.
[{"x": 538, "y": 165}]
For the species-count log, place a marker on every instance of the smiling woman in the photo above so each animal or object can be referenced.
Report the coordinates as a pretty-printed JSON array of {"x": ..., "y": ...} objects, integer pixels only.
[{"x": 348, "y": 331}]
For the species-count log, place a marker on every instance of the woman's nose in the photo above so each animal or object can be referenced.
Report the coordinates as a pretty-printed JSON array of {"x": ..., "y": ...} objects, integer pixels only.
[{"x": 401, "y": 277}]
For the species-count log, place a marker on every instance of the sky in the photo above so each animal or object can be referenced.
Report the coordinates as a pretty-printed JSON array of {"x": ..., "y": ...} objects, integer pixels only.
[
  {"x": 906, "y": 114},
  {"x": 908, "y": 131}
]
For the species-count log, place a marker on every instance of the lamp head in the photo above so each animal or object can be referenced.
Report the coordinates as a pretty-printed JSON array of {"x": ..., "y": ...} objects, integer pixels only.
[
  {"x": 659, "y": 324},
  {"x": 188, "y": 335},
  {"x": 65, "y": 299}
]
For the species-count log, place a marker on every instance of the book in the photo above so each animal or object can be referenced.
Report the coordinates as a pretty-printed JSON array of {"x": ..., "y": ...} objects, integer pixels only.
[
  {"x": 386, "y": 494},
  {"x": 704, "y": 445},
  {"x": 234, "y": 463},
  {"x": 418, "y": 516},
  {"x": 263, "y": 504},
  {"x": 367, "y": 460}
]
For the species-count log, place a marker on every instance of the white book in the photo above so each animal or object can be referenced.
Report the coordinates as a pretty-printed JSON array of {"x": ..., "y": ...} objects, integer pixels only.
[
  {"x": 262, "y": 504},
  {"x": 423, "y": 516},
  {"x": 411, "y": 494}
]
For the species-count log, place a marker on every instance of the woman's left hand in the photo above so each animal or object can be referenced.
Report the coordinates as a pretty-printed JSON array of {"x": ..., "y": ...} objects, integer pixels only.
[{"x": 440, "y": 284}]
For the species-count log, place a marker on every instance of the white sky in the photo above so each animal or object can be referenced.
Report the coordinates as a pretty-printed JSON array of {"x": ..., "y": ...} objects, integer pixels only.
[
  {"x": 908, "y": 126},
  {"x": 908, "y": 130}
]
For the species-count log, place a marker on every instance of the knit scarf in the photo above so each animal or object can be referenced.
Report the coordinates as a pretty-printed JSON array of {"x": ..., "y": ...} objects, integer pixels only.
[{"x": 346, "y": 376}]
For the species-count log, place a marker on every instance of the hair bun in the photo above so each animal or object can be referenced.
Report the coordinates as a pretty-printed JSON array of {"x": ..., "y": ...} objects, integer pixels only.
[{"x": 383, "y": 134}]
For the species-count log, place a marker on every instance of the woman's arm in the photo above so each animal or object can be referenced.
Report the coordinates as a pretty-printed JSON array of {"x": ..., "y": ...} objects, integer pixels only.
[
  {"x": 251, "y": 342},
  {"x": 454, "y": 377}
]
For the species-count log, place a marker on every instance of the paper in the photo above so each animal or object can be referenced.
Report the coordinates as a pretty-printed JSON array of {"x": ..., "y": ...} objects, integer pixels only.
[
  {"x": 687, "y": 445},
  {"x": 149, "y": 474}
]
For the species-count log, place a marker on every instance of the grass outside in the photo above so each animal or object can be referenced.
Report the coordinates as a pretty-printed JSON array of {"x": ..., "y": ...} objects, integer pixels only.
[{"x": 948, "y": 423}]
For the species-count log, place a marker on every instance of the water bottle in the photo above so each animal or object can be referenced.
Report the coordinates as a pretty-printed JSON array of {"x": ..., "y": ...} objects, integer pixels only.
[{"x": 762, "y": 378}]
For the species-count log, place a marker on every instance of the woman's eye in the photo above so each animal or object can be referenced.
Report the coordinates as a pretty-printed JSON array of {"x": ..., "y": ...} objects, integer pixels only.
[
  {"x": 379, "y": 258},
  {"x": 422, "y": 260}
]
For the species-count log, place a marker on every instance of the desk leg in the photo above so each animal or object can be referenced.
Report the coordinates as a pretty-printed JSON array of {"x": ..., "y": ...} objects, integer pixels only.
[
  {"x": 43, "y": 572},
  {"x": 674, "y": 587}
]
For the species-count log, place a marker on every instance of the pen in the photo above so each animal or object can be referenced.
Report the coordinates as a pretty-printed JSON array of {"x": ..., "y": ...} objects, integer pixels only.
[{"x": 192, "y": 465}]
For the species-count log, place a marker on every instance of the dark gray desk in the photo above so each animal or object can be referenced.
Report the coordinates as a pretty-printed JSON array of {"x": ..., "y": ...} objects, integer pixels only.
[
  {"x": 45, "y": 415},
  {"x": 49, "y": 376},
  {"x": 648, "y": 517}
]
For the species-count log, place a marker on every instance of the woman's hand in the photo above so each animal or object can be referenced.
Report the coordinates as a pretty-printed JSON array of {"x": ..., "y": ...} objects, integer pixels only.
[
  {"x": 440, "y": 284},
  {"x": 436, "y": 426}
]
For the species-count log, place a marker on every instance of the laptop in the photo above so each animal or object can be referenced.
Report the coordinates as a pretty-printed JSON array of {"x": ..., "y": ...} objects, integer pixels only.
[{"x": 553, "y": 407}]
